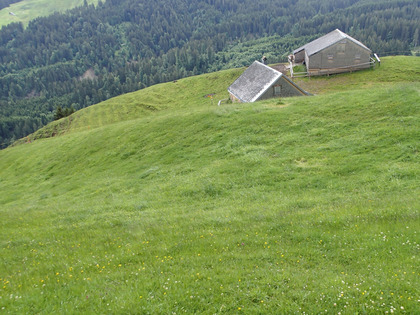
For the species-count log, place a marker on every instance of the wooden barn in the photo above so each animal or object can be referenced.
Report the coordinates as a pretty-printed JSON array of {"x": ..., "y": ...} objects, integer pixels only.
[
  {"x": 259, "y": 82},
  {"x": 334, "y": 52}
]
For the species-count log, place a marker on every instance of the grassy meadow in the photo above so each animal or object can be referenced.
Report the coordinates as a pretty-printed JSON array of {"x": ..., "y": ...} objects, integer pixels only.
[
  {"x": 160, "y": 201},
  {"x": 27, "y": 10}
]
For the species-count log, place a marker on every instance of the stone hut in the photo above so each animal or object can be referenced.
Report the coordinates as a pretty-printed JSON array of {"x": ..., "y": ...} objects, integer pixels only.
[{"x": 260, "y": 82}]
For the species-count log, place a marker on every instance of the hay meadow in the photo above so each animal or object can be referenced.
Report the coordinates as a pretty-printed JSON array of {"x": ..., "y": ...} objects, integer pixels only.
[{"x": 161, "y": 202}]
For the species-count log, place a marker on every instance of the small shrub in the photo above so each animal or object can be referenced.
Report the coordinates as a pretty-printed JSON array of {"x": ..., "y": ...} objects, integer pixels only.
[{"x": 63, "y": 112}]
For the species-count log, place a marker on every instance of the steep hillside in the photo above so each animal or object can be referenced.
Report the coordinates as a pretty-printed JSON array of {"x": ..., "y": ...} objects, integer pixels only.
[
  {"x": 188, "y": 93},
  {"x": 208, "y": 89},
  {"x": 297, "y": 205}
]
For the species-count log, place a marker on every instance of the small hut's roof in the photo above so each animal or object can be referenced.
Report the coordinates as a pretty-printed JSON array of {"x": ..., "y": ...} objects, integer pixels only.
[
  {"x": 326, "y": 41},
  {"x": 255, "y": 81}
]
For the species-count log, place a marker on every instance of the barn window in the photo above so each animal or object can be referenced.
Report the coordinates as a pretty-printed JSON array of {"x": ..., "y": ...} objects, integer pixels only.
[
  {"x": 277, "y": 90},
  {"x": 330, "y": 57},
  {"x": 357, "y": 57},
  {"x": 341, "y": 47}
]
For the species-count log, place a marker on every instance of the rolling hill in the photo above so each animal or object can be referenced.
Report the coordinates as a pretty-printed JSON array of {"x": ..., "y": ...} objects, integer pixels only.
[
  {"x": 160, "y": 201},
  {"x": 126, "y": 45}
]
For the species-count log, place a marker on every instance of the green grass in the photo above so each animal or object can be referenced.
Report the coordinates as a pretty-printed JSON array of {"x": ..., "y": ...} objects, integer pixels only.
[
  {"x": 300, "y": 205},
  {"x": 27, "y": 10},
  {"x": 188, "y": 93},
  {"x": 299, "y": 69}
]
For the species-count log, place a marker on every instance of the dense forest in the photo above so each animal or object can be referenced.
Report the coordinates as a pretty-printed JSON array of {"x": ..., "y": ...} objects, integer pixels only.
[
  {"x": 6, "y": 3},
  {"x": 91, "y": 53}
]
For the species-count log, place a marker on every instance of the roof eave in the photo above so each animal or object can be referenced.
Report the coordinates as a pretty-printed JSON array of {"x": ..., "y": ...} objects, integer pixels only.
[
  {"x": 297, "y": 86},
  {"x": 240, "y": 99},
  {"x": 298, "y": 50}
]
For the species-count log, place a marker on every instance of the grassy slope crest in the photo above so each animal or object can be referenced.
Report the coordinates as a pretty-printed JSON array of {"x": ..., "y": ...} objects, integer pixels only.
[{"x": 301, "y": 204}]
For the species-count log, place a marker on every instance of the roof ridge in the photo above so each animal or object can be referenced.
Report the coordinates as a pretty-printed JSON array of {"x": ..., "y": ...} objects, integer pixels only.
[
  {"x": 327, "y": 40},
  {"x": 278, "y": 74},
  {"x": 272, "y": 69},
  {"x": 354, "y": 40},
  {"x": 341, "y": 32}
]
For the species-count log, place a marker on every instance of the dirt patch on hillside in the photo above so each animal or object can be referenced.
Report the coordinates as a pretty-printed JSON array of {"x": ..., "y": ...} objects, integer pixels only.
[
  {"x": 33, "y": 94},
  {"x": 88, "y": 75}
]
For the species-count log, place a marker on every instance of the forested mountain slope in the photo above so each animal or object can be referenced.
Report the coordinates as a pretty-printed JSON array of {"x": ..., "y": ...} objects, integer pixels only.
[
  {"x": 7, "y": 3},
  {"x": 93, "y": 53}
]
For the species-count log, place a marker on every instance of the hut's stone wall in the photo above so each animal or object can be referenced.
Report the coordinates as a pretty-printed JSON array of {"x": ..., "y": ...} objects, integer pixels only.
[{"x": 281, "y": 88}]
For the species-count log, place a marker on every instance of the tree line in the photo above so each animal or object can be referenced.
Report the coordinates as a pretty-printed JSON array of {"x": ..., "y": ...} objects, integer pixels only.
[
  {"x": 6, "y": 3},
  {"x": 92, "y": 53}
]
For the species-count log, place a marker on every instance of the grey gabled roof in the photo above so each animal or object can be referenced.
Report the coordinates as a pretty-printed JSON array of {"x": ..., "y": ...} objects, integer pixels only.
[
  {"x": 326, "y": 41},
  {"x": 254, "y": 82}
]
